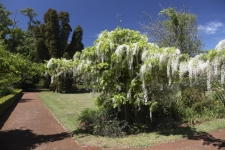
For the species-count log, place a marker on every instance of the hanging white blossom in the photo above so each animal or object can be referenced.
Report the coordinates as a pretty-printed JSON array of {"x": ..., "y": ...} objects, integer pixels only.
[
  {"x": 221, "y": 45},
  {"x": 135, "y": 48},
  {"x": 98, "y": 53},
  {"x": 127, "y": 55},
  {"x": 175, "y": 64},
  {"x": 49, "y": 64},
  {"x": 222, "y": 73},
  {"x": 209, "y": 74},
  {"x": 183, "y": 69},
  {"x": 177, "y": 52},
  {"x": 144, "y": 55},
  {"x": 143, "y": 69},
  {"x": 120, "y": 49},
  {"x": 52, "y": 79}
]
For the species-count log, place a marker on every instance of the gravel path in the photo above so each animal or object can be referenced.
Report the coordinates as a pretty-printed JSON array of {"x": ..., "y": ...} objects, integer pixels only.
[{"x": 30, "y": 125}]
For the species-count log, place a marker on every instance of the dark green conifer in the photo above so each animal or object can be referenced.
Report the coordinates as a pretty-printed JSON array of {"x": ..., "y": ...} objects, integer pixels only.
[
  {"x": 65, "y": 30},
  {"x": 52, "y": 33},
  {"x": 76, "y": 42},
  {"x": 40, "y": 46}
]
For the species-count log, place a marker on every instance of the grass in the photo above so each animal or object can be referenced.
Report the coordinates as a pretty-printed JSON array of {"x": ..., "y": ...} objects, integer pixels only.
[{"x": 66, "y": 108}]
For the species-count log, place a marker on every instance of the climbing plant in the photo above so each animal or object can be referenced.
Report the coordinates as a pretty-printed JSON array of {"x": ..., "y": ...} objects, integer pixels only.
[{"x": 131, "y": 73}]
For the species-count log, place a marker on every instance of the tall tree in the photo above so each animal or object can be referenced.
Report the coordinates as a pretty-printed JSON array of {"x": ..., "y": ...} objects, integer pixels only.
[
  {"x": 174, "y": 28},
  {"x": 52, "y": 33},
  {"x": 76, "y": 44},
  {"x": 6, "y": 22},
  {"x": 15, "y": 69},
  {"x": 28, "y": 47},
  {"x": 40, "y": 46},
  {"x": 16, "y": 40},
  {"x": 29, "y": 12},
  {"x": 65, "y": 30}
]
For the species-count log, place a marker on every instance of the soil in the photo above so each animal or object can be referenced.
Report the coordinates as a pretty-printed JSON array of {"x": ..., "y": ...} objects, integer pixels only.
[{"x": 28, "y": 125}]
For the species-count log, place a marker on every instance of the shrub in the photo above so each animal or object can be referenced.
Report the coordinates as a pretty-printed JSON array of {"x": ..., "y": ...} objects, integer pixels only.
[
  {"x": 7, "y": 101},
  {"x": 191, "y": 95},
  {"x": 219, "y": 94},
  {"x": 6, "y": 91},
  {"x": 100, "y": 122}
]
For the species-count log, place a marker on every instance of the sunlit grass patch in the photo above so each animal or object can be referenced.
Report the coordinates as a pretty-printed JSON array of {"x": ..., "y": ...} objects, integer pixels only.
[{"x": 67, "y": 107}]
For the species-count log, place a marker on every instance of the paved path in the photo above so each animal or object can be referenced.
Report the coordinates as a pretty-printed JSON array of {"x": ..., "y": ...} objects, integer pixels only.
[{"x": 30, "y": 125}]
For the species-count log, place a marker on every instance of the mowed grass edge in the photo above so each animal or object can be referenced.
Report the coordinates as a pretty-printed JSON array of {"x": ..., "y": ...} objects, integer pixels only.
[{"x": 66, "y": 108}]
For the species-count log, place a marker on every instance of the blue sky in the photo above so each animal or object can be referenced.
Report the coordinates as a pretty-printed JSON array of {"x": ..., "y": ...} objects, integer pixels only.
[{"x": 95, "y": 16}]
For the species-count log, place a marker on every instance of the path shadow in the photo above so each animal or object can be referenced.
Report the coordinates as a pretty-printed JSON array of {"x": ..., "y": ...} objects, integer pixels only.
[
  {"x": 24, "y": 100},
  {"x": 191, "y": 134},
  {"x": 209, "y": 140},
  {"x": 35, "y": 90},
  {"x": 4, "y": 117},
  {"x": 26, "y": 139}
]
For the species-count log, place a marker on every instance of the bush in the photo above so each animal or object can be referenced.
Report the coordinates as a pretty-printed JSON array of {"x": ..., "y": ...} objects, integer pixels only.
[
  {"x": 219, "y": 94},
  {"x": 61, "y": 84},
  {"x": 44, "y": 82},
  {"x": 7, "y": 101},
  {"x": 6, "y": 91},
  {"x": 100, "y": 122},
  {"x": 191, "y": 95}
]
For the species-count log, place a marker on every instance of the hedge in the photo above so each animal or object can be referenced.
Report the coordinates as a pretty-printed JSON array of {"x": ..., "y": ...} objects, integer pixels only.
[{"x": 7, "y": 101}]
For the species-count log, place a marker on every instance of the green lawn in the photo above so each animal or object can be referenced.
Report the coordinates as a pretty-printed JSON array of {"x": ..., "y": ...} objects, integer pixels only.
[{"x": 66, "y": 108}]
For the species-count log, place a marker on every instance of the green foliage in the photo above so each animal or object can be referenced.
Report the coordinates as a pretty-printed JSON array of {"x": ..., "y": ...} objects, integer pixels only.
[
  {"x": 66, "y": 55},
  {"x": 29, "y": 12},
  {"x": 101, "y": 122},
  {"x": 76, "y": 44},
  {"x": 219, "y": 94},
  {"x": 62, "y": 84},
  {"x": 52, "y": 30},
  {"x": 6, "y": 22},
  {"x": 65, "y": 30},
  {"x": 6, "y": 91},
  {"x": 40, "y": 46},
  {"x": 143, "y": 81},
  {"x": 16, "y": 70},
  {"x": 174, "y": 28},
  {"x": 17, "y": 40},
  {"x": 191, "y": 96},
  {"x": 51, "y": 38},
  {"x": 7, "y": 101}
]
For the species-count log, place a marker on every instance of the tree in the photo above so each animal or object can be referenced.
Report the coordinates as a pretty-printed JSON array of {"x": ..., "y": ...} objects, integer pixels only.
[
  {"x": 16, "y": 38},
  {"x": 174, "y": 28},
  {"x": 112, "y": 66},
  {"x": 40, "y": 47},
  {"x": 6, "y": 22},
  {"x": 17, "y": 51},
  {"x": 15, "y": 68},
  {"x": 58, "y": 28},
  {"x": 19, "y": 41},
  {"x": 52, "y": 30},
  {"x": 132, "y": 74},
  {"x": 29, "y": 12},
  {"x": 65, "y": 30},
  {"x": 76, "y": 44}
]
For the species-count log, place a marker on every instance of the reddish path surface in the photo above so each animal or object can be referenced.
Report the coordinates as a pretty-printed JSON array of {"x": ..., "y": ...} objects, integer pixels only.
[{"x": 30, "y": 125}]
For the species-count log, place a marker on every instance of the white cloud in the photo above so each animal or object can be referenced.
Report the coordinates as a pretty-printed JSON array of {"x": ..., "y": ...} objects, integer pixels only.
[{"x": 211, "y": 27}]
